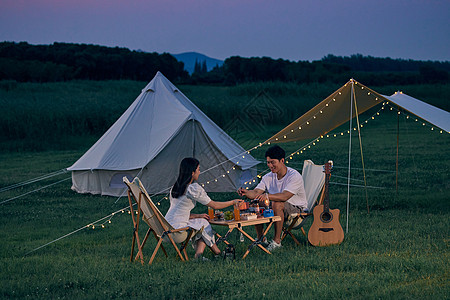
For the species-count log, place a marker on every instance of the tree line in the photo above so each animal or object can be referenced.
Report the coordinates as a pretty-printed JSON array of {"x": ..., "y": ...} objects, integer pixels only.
[{"x": 65, "y": 61}]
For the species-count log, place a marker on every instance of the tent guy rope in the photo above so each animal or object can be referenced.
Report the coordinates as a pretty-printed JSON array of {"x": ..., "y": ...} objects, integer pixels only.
[{"x": 33, "y": 180}]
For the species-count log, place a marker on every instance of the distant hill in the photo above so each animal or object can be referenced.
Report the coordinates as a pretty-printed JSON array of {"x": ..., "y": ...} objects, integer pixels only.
[{"x": 189, "y": 58}]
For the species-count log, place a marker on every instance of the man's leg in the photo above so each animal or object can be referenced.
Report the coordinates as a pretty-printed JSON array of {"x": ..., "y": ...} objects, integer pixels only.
[
  {"x": 278, "y": 210},
  {"x": 259, "y": 230}
]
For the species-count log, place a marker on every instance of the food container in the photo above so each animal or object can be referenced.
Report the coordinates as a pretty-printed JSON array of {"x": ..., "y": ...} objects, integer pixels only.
[
  {"x": 268, "y": 213},
  {"x": 218, "y": 215},
  {"x": 249, "y": 216},
  {"x": 243, "y": 205}
]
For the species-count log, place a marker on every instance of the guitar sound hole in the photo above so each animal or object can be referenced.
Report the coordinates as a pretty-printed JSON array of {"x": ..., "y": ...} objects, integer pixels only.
[{"x": 326, "y": 217}]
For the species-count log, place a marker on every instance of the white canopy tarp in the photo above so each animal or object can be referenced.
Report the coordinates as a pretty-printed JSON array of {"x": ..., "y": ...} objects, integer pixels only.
[
  {"x": 353, "y": 96},
  {"x": 432, "y": 114}
]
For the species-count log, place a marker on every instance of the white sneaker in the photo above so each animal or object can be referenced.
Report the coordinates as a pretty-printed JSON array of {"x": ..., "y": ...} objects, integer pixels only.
[
  {"x": 264, "y": 242},
  {"x": 273, "y": 246},
  {"x": 202, "y": 258}
]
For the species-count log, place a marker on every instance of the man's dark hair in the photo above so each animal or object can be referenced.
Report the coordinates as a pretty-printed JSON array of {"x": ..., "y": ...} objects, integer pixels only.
[{"x": 275, "y": 152}]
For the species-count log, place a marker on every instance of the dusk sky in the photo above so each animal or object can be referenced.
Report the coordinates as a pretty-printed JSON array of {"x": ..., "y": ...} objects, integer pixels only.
[{"x": 288, "y": 29}]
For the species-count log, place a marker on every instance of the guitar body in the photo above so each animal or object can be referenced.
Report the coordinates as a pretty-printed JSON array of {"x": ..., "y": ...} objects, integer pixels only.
[{"x": 326, "y": 229}]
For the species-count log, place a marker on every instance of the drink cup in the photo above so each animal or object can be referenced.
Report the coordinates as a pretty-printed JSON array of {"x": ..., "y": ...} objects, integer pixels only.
[
  {"x": 237, "y": 213},
  {"x": 211, "y": 213}
]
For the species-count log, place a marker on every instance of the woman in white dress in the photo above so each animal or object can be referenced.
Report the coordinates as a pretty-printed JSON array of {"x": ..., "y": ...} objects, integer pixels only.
[{"x": 183, "y": 198}]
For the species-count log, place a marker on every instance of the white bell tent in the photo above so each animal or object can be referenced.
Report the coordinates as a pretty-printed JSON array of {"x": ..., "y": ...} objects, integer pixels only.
[{"x": 159, "y": 129}]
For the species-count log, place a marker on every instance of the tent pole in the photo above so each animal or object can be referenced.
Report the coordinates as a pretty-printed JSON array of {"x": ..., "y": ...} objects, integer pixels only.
[
  {"x": 396, "y": 161},
  {"x": 193, "y": 138},
  {"x": 360, "y": 148},
  {"x": 349, "y": 156}
]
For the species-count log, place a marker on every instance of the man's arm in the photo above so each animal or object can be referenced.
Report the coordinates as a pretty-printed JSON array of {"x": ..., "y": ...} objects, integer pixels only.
[
  {"x": 278, "y": 197},
  {"x": 251, "y": 194}
]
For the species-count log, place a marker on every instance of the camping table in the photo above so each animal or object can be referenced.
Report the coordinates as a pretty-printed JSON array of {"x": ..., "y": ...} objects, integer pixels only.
[{"x": 232, "y": 224}]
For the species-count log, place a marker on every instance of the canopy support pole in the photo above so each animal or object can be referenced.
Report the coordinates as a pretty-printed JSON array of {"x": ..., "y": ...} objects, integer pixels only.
[
  {"x": 396, "y": 161},
  {"x": 361, "y": 149},
  {"x": 349, "y": 156}
]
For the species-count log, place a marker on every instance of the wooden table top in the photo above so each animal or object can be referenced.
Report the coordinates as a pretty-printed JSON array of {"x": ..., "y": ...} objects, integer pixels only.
[{"x": 233, "y": 223}]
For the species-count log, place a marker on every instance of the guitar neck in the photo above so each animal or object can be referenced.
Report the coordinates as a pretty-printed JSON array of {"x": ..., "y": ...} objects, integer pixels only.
[{"x": 326, "y": 200}]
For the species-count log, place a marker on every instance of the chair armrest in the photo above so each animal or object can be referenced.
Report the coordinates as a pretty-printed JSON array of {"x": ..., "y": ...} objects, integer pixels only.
[{"x": 181, "y": 229}]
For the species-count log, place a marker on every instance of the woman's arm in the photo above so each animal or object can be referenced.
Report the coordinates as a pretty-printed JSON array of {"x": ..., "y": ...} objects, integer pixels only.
[
  {"x": 220, "y": 205},
  {"x": 196, "y": 216}
]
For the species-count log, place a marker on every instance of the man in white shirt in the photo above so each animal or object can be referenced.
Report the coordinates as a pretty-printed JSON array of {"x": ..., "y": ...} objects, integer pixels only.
[{"x": 284, "y": 187}]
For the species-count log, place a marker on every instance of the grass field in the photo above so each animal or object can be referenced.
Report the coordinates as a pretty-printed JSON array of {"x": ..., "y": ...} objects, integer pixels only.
[{"x": 400, "y": 250}]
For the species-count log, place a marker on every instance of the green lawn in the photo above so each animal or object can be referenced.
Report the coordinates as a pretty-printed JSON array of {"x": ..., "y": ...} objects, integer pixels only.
[{"x": 399, "y": 250}]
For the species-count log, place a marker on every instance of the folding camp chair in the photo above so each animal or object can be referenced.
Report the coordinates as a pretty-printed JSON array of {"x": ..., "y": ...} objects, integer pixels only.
[
  {"x": 314, "y": 180},
  {"x": 158, "y": 225}
]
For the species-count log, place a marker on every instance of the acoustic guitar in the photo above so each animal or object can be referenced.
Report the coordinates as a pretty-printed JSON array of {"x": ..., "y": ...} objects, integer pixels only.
[{"x": 326, "y": 229}]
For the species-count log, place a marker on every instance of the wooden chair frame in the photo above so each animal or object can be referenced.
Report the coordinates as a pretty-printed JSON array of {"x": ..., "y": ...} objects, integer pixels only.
[
  {"x": 303, "y": 215},
  {"x": 167, "y": 231}
]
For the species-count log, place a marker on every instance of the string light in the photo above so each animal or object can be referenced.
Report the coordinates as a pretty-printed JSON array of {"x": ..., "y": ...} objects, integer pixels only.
[
  {"x": 314, "y": 117},
  {"x": 332, "y": 98}
]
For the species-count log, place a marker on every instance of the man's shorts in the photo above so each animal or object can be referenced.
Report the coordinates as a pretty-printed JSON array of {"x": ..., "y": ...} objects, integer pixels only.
[{"x": 291, "y": 209}]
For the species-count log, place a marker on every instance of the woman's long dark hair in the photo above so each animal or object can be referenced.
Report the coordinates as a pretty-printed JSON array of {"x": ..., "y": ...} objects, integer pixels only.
[{"x": 187, "y": 166}]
